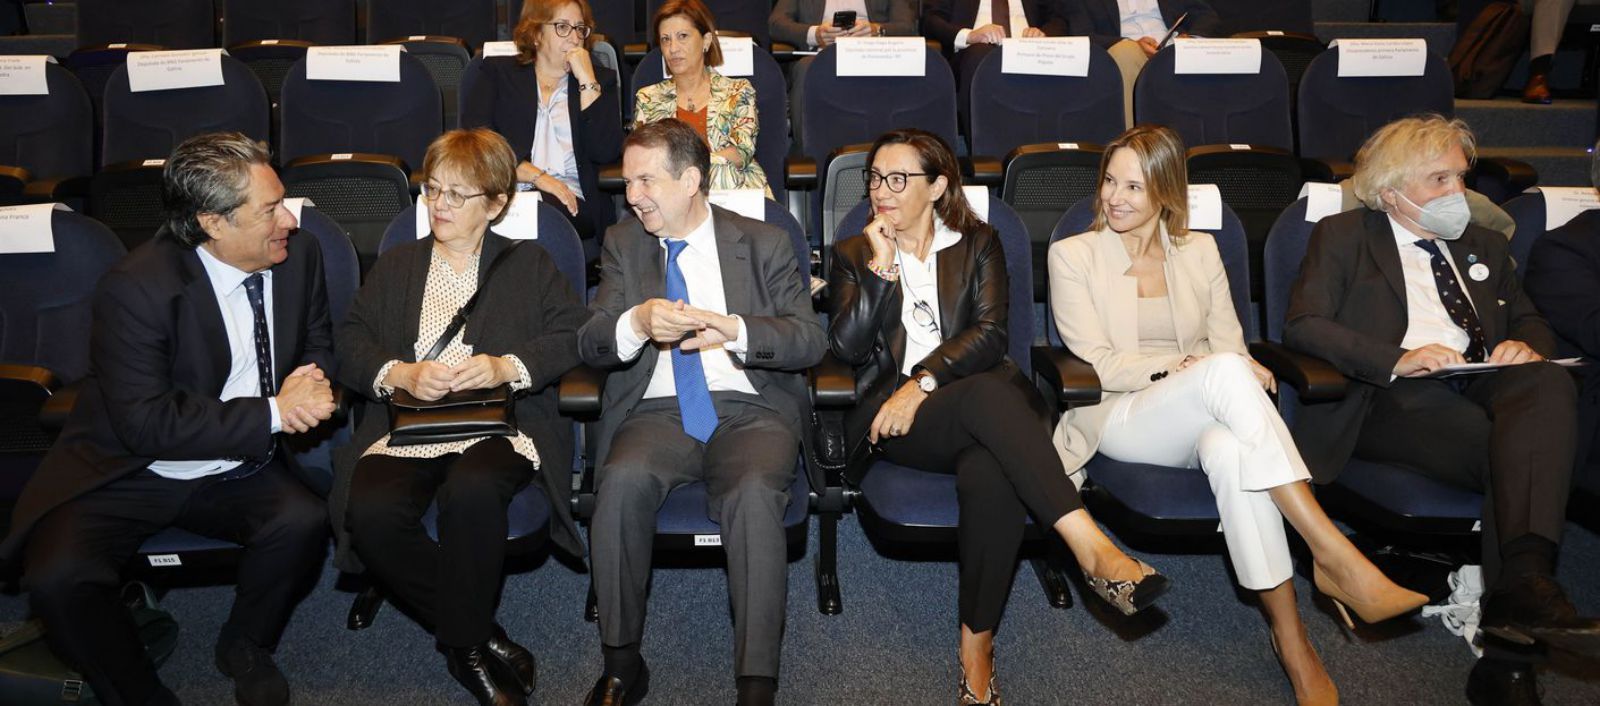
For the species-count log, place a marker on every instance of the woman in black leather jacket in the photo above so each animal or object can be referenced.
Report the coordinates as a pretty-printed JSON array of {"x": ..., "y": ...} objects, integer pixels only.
[{"x": 920, "y": 302}]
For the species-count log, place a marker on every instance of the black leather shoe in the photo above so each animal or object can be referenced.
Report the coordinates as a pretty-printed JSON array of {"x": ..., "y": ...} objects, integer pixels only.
[
  {"x": 517, "y": 657},
  {"x": 1534, "y": 609},
  {"x": 484, "y": 676},
  {"x": 1495, "y": 682},
  {"x": 256, "y": 678},
  {"x": 610, "y": 691}
]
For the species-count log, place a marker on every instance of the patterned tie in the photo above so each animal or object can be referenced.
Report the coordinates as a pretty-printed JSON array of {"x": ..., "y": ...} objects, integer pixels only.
[
  {"x": 258, "y": 306},
  {"x": 1000, "y": 14},
  {"x": 688, "y": 376},
  {"x": 1455, "y": 301}
]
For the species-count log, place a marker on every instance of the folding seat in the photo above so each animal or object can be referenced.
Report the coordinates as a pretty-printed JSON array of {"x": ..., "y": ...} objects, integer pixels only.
[
  {"x": 174, "y": 24},
  {"x": 50, "y": 136},
  {"x": 472, "y": 21},
  {"x": 315, "y": 21},
  {"x": 446, "y": 59},
  {"x": 148, "y": 124}
]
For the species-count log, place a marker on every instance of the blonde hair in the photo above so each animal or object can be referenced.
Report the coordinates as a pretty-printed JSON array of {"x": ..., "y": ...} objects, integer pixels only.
[
  {"x": 1392, "y": 155},
  {"x": 1166, "y": 175}
]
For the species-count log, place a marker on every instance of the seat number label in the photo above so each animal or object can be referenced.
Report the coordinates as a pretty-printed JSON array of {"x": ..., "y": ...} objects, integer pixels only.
[
  {"x": 165, "y": 560},
  {"x": 708, "y": 540}
]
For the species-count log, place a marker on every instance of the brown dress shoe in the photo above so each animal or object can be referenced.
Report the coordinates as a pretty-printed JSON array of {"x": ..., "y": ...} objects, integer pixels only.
[{"x": 1537, "y": 90}]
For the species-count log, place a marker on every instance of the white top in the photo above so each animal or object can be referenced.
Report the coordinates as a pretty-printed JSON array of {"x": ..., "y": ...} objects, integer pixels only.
[
  {"x": 832, "y": 6},
  {"x": 702, "y": 272},
  {"x": 1427, "y": 321},
  {"x": 1019, "y": 21},
  {"x": 1142, "y": 18},
  {"x": 919, "y": 282},
  {"x": 1158, "y": 333},
  {"x": 552, "y": 139},
  {"x": 244, "y": 380}
]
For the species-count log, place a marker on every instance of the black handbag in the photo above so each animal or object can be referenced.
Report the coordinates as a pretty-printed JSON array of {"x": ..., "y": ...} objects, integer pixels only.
[
  {"x": 32, "y": 675},
  {"x": 460, "y": 415}
]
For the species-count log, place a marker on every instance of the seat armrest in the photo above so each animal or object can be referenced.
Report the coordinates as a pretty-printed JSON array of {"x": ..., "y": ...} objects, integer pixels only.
[
  {"x": 1516, "y": 175},
  {"x": 783, "y": 51},
  {"x": 634, "y": 52},
  {"x": 58, "y": 189},
  {"x": 611, "y": 178},
  {"x": 578, "y": 392},
  {"x": 13, "y": 179},
  {"x": 833, "y": 383},
  {"x": 800, "y": 173},
  {"x": 53, "y": 415},
  {"x": 1073, "y": 381},
  {"x": 983, "y": 170},
  {"x": 1313, "y": 378},
  {"x": 1327, "y": 170}
]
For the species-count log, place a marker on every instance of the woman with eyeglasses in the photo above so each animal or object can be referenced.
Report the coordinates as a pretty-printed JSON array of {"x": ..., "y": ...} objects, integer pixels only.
[
  {"x": 721, "y": 109},
  {"x": 1145, "y": 301},
  {"x": 557, "y": 109},
  {"x": 920, "y": 309},
  {"x": 522, "y": 333}
]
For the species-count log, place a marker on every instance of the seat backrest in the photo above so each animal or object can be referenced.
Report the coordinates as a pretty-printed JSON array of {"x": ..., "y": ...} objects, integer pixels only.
[
  {"x": 556, "y": 236},
  {"x": 1041, "y": 182},
  {"x": 1528, "y": 210},
  {"x": 1019, "y": 273},
  {"x": 52, "y": 136},
  {"x": 1294, "y": 50},
  {"x": 322, "y": 117},
  {"x": 361, "y": 195},
  {"x": 446, "y": 61},
  {"x": 148, "y": 124},
  {"x": 271, "y": 64},
  {"x": 474, "y": 21},
  {"x": 340, "y": 267},
  {"x": 772, "y": 111},
  {"x": 1011, "y": 110},
  {"x": 1216, "y": 109},
  {"x": 319, "y": 21},
  {"x": 1337, "y": 114},
  {"x": 748, "y": 16},
  {"x": 1231, "y": 245},
  {"x": 777, "y": 214},
  {"x": 175, "y": 24},
  {"x": 126, "y": 197},
  {"x": 45, "y": 314},
  {"x": 615, "y": 19},
  {"x": 850, "y": 110},
  {"x": 844, "y": 189},
  {"x": 1285, "y": 248}
]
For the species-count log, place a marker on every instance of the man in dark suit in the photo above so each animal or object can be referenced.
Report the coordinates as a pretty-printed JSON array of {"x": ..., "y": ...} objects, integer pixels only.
[
  {"x": 1392, "y": 293},
  {"x": 705, "y": 325},
  {"x": 208, "y": 342},
  {"x": 967, "y": 30},
  {"x": 1131, "y": 30}
]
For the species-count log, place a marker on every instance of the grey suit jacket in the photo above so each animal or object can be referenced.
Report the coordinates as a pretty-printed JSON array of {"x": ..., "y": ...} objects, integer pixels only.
[
  {"x": 790, "y": 19},
  {"x": 762, "y": 284}
]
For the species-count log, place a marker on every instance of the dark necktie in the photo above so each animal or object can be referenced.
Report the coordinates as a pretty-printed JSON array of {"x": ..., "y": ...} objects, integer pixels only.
[
  {"x": 1455, "y": 301},
  {"x": 263, "y": 341},
  {"x": 688, "y": 375},
  {"x": 1000, "y": 14}
]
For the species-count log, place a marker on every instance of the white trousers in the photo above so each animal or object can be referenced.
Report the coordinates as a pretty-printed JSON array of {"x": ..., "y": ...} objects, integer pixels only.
[{"x": 1214, "y": 416}]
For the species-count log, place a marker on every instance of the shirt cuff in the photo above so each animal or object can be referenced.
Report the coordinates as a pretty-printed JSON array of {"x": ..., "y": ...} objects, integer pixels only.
[
  {"x": 811, "y": 36},
  {"x": 272, "y": 408},
  {"x": 628, "y": 342},
  {"x": 961, "y": 39},
  {"x": 740, "y": 343},
  {"x": 524, "y": 380},
  {"x": 378, "y": 388}
]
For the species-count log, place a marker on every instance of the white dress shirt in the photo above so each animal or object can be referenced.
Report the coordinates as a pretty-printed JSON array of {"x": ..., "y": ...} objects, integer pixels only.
[
  {"x": 1142, "y": 18},
  {"x": 919, "y": 281},
  {"x": 552, "y": 139},
  {"x": 1019, "y": 21},
  {"x": 702, "y": 273},
  {"x": 1427, "y": 321},
  {"x": 244, "y": 379},
  {"x": 832, "y": 6}
]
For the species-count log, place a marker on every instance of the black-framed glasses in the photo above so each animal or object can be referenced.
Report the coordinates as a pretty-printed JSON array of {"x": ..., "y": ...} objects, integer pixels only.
[
  {"x": 455, "y": 198},
  {"x": 922, "y": 313},
  {"x": 564, "y": 29},
  {"x": 895, "y": 180}
]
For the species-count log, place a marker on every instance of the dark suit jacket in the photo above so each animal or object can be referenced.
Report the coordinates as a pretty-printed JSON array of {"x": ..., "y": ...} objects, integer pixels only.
[
  {"x": 1563, "y": 280},
  {"x": 761, "y": 282},
  {"x": 1101, "y": 20},
  {"x": 791, "y": 19},
  {"x": 504, "y": 100},
  {"x": 944, "y": 19},
  {"x": 1349, "y": 307},
  {"x": 158, "y": 358},
  {"x": 528, "y": 310}
]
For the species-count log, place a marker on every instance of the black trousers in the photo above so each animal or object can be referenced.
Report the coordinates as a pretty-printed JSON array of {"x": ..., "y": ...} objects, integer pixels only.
[
  {"x": 1508, "y": 434},
  {"x": 986, "y": 430},
  {"x": 75, "y": 556},
  {"x": 451, "y": 584}
]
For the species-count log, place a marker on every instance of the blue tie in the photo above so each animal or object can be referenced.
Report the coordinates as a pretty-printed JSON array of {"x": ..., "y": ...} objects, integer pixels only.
[
  {"x": 258, "y": 307},
  {"x": 688, "y": 376},
  {"x": 1455, "y": 301}
]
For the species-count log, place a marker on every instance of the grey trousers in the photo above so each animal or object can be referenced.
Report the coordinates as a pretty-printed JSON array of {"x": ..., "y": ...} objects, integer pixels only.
[
  {"x": 1549, "y": 18},
  {"x": 747, "y": 466}
]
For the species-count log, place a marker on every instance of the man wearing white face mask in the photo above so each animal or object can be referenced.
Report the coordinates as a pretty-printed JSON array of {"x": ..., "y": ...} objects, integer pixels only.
[{"x": 1395, "y": 291}]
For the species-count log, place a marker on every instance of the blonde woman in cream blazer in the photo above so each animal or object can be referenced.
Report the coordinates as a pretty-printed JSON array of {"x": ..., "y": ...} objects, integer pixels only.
[{"x": 1146, "y": 302}]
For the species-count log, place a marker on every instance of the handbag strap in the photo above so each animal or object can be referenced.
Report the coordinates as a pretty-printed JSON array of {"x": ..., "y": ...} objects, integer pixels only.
[{"x": 465, "y": 311}]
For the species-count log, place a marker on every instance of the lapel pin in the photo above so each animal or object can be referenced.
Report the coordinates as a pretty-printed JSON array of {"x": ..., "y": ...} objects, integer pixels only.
[
  {"x": 1471, "y": 258},
  {"x": 1478, "y": 272}
]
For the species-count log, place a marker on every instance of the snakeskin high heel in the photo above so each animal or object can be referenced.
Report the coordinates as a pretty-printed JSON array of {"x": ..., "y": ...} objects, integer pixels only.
[
  {"x": 1130, "y": 597},
  {"x": 970, "y": 699}
]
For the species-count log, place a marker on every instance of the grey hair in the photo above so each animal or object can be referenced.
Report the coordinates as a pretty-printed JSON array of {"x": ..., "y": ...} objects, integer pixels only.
[
  {"x": 207, "y": 173},
  {"x": 1389, "y": 158}
]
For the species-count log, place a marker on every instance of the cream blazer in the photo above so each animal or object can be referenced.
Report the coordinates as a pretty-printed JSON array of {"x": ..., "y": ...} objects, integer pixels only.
[{"x": 1095, "y": 305}]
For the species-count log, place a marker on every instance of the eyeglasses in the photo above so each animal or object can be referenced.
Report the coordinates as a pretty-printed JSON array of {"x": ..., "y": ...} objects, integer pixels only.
[
  {"x": 896, "y": 180},
  {"x": 564, "y": 29},
  {"x": 456, "y": 199},
  {"x": 923, "y": 314}
]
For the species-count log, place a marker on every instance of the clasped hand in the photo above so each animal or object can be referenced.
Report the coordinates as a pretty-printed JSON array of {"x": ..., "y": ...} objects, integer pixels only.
[
  {"x": 1427, "y": 359},
  {"x": 305, "y": 400},
  {"x": 666, "y": 321},
  {"x": 430, "y": 380}
]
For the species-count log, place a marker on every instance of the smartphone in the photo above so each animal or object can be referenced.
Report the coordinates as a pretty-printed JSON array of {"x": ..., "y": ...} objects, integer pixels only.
[{"x": 844, "y": 19}]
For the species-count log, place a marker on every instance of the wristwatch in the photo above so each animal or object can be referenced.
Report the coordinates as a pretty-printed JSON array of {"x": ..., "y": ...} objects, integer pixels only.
[{"x": 926, "y": 382}]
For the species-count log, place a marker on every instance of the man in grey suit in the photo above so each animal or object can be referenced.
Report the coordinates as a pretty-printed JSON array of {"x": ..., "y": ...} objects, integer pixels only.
[{"x": 705, "y": 324}]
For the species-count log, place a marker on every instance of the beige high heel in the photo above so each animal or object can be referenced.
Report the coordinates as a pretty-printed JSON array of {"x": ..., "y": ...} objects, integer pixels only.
[{"x": 1399, "y": 601}]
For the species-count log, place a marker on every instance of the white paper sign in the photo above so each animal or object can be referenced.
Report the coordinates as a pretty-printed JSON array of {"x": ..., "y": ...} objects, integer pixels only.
[
  {"x": 1562, "y": 203},
  {"x": 882, "y": 56},
  {"x": 1322, "y": 200},
  {"x": 499, "y": 49},
  {"x": 354, "y": 63},
  {"x": 738, "y": 57},
  {"x": 23, "y": 75},
  {"x": 296, "y": 206},
  {"x": 1217, "y": 56},
  {"x": 1045, "y": 56},
  {"x": 750, "y": 203},
  {"x": 169, "y": 70},
  {"x": 978, "y": 198},
  {"x": 1205, "y": 207},
  {"x": 1381, "y": 57},
  {"x": 26, "y": 229},
  {"x": 521, "y": 221}
]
